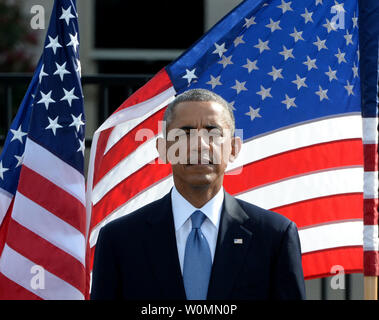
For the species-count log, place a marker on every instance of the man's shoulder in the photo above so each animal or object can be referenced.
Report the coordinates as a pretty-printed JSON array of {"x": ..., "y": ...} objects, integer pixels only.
[{"x": 264, "y": 217}]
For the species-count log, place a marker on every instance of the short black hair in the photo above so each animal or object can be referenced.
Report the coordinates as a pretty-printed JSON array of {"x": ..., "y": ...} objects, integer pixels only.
[{"x": 199, "y": 95}]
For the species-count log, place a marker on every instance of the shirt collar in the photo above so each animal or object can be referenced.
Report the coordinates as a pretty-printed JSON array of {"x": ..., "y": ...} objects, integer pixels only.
[{"x": 182, "y": 209}]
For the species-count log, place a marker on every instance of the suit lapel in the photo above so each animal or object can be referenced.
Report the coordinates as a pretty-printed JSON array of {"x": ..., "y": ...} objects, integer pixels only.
[
  {"x": 232, "y": 243},
  {"x": 162, "y": 249}
]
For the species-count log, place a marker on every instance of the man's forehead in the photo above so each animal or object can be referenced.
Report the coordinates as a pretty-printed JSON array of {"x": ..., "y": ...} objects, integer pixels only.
[{"x": 208, "y": 111}]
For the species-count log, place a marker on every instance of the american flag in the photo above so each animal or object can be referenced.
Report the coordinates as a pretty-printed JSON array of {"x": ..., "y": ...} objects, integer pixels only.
[
  {"x": 290, "y": 72},
  {"x": 42, "y": 186}
]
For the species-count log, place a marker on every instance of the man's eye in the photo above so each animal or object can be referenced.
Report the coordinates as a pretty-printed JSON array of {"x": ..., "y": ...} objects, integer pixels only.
[{"x": 215, "y": 134}]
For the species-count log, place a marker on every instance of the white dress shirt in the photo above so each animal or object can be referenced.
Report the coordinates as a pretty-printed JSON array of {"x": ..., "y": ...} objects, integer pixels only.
[{"x": 182, "y": 211}]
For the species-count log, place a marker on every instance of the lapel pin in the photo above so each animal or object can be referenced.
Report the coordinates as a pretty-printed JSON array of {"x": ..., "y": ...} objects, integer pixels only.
[{"x": 238, "y": 241}]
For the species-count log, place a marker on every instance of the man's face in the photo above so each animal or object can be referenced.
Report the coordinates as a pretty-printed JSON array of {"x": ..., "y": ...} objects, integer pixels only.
[{"x": 201, "y": 129}]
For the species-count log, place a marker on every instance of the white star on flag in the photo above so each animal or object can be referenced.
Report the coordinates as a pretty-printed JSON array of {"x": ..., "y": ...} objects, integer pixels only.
[
  {"x": 329, "y": 26},
  {"x": 286, "y": 53},
  {"x": 264, "y": 93},
  {"x": 225, "y": 61},
  {"x": 253, "y": 113},
  {"x": 355, "y": 70},
  {"x": 262, "y": 46},
  {"x": 320, "y": 44},
  {"x": 322, "y": 93},
  {"x": 46, "y": 99},
  {"x": 53, "y": 125},
  {"x": 42, "y": 74},
  {"x": 238, "y": 41},
  {"x": 250, "y": 65},
  {"x": 285, "y": 6},
  {"x": 338, "y": 7},
  {"x": 239, "y": 86},
  {"x": 66, "y": 15},
  {"x": 81, "y": 147},
  {"x": 340, "y": 56},
  {"x": 190, "y": 75},
  {"x": 77, "y": 122},
  {"x": 220, "y": 49},
  {"x": 69, "y": 96},
  {"x": 307, "y": 16},
  {"x": 78, "y": 67},
  {"x": 74, "y": 41},
  {"x": 310, "y": 63},
  {"x": 2, "y": 170},
  {"x": 214, "y": 81},
  {"x": 276, "y": 73},
  {"x": 289, "y": 102},
  {"x": 297, "y": 35},
  {"x": 53, "y": 44},
  {"x": 348, "y": 37},
  {"x": 249, "y": 22},
  {"x": 300, "y": 82},
  {"x": 18, "y": 134},
  {"x": 273, "y": 25},
  {"x": 349, "y": 88},
  {"x": 331, "y": 74},
  {"x": 20, "y": 159},
  {"x": 61, "y": 70}
]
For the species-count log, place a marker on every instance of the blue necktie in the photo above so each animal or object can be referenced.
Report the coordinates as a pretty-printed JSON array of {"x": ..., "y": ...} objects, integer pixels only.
[{"x": 197, "y": 261}]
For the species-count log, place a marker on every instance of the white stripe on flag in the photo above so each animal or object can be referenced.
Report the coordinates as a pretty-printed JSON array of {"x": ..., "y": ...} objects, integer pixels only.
[
  {"x": 48, "y": 226},
  {"x": 139, "y": 110},
  {"x": 370, "y": 185},
  {"x": 22, "y": 271},
  {"x": 5, "y": 201},
  {"x": 54, "y": 169},
  {"x": 147, "y": 196},
  {"x": 325, "y": 130},
  {"x": 144, "y": 154},
  {"x": 304, "y": 187},
  {"x": 370, "y": 238},
  {"x": 333, "y": 235},
  {"x": 370, "y": 130},
  {"x": 123, "y": 128}
]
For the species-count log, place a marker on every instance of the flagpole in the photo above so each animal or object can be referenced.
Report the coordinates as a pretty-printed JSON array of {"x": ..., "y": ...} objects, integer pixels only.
[{"x": 370, "y": 288}]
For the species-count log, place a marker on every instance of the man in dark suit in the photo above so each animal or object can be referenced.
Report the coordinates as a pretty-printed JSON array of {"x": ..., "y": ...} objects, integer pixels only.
[{"x": 198, "y": 242}]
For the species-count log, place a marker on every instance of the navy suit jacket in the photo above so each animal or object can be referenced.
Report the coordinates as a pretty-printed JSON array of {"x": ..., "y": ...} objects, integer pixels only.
[{"x": 136, "y": 257}]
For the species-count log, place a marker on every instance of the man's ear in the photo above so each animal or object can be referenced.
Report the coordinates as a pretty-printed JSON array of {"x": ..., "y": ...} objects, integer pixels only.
[
  {"x": 236, "y": 148},
  {"x": 160, "y": 144}
]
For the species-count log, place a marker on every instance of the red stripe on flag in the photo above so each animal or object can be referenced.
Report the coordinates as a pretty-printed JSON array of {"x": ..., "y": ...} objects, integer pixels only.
[
  {"x": 45, "y": 254},
  {"x": 159, "y": 83},
  {"x": 370, "y": 157},
  {"x": 35, "y": 187},
  {"x": 324, "y": 209},
  {"x": 371, "y": 263},
  {"x": 317, "y": 157},
  {"x": 126, "y": 145},
  {"x": 12, "y": 291},
  {"x": 320, "y": 263},
  {"x": 127, "y": 189},
  {"x": 370, "y": 209}
]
